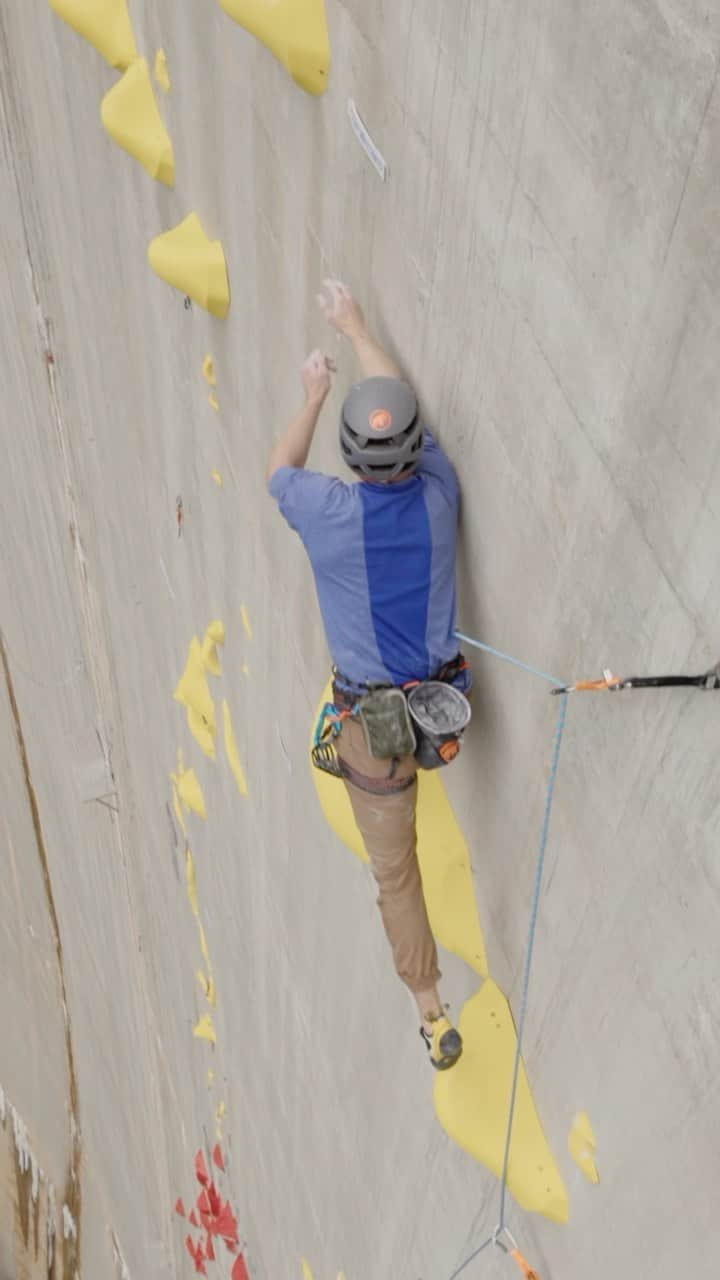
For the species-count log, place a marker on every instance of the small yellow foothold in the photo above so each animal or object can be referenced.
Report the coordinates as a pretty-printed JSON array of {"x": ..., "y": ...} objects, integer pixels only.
[
  {"x": 246, "y": 621},
  {"x": 245, "y": 669},
  {"x": 191, "y": 882},
  {"x": 130, "y": 115},
  {"x": 213, "y": 401},
  {"x": 581, "y": 1145},
  {"x": 307, "y": 1273},
  {"x": 204, "y": 1029},
  {"x": 208, "y": 370},
  {"x": 189, "y": 791},
  {"x": 294, "y": 30},
  {"x": 161, "y": 71},
  {"x": 232, "y": 751},
  {"x": 105, "y": 23},
  {"x": 214, "y": 635},
  {"x": 185, "y": 258},
  {"x": 217, "y": 478},
  {"x": 210, "y": 1076},
  {"x": 208, "y": 987},
  {"x": 194, "y": 694},
  {"x": 204, "y": 948}
]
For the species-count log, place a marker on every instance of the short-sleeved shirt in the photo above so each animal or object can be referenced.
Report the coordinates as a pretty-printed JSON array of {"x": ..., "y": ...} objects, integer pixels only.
[{"x": 383, "y": 558}]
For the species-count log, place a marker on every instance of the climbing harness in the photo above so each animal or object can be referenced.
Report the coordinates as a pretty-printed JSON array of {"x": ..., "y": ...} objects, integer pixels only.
[
  {"x": 709, "y": 680},
  {"x": 424, "y": 718}
]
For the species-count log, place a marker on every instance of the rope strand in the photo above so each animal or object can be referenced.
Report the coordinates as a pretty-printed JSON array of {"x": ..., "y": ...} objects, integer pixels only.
[{"x": 532, "y": 927}]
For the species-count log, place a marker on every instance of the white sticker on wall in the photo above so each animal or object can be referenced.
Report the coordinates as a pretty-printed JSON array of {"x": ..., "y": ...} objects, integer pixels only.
[{"x": 366, "y": 142}]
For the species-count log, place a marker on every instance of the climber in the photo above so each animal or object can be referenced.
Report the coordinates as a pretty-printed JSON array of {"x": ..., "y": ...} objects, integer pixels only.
[{"x": 383, "y": 556}]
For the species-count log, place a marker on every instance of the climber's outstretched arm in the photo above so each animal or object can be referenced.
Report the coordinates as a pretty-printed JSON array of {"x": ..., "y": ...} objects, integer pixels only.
[
  {"x": 344, "y": 314},
  {"x": 293, "y": 446}
]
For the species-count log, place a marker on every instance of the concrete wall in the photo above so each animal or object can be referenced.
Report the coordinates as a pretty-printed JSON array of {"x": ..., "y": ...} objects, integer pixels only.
[{"x": 543, "y": 261}]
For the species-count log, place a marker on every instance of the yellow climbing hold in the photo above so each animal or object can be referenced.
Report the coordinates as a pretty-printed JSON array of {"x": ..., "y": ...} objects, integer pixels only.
[
  {"x": 232, "y": 752},
  {"x": 186, "y": 259},
  {"x": 210, "y": 1076},
  {"x": 307, "y": 1273},
  {"x": 214, "y": 635},
  {"x": 130, "y": 115},
  {"x": 442, "y": 854},
  {"x": 105, "y": 23},
  {"x": 193, "y": 692},
  {"x": 447, "y": 875},
  {"x": 204, "y": 948},
  {"x": 208, "y": 370},
  {"x": 294, "y": 30},
  {"x": 188, "y": 789},
  {"x": 473, "y": 1099},
  {"x": 246, "y": 621},
  {"x": 219, "y": 1114},
  {"x": 208, "y": 987},
  {"x": 191, "y": 883},
  {"x": 217, "y": 478},
  {"x": 204, "y": 1029},
  {"x": 245, "y": 669},
  {"x": 581, "y": 1145},
  {"x": 161, "y": 71},
  {"x": 213, "y": 401}
]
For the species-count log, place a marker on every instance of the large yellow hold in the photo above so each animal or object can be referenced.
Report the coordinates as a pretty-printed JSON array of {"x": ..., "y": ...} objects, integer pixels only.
[
  {"x": 130, "y": 115},
  {"x": 105, "y": 23},
  {"x": 294, "y": 30},
  {"x": 186, "y": 259},
  {"x": 472, "y": 1103}
]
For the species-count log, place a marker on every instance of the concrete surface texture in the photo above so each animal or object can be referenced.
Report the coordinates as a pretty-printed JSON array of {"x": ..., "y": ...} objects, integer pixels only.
[{"x": 543, "y": 261}]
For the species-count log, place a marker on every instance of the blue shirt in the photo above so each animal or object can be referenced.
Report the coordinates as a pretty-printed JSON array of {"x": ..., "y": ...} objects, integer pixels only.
[{"x": 383, "y": 558}]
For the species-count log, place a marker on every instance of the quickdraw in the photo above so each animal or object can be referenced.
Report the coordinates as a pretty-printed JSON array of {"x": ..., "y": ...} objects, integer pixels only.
[
  {"x": 612, "y": 683},
  {"x": 323, "y": 754},
  {"x": 513, "y": 1252}
]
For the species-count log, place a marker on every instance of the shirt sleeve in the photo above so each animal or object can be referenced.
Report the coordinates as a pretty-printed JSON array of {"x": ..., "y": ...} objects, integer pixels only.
[
  {"x": 303, "y": 496},
  {"x": 436, "y": 463}
]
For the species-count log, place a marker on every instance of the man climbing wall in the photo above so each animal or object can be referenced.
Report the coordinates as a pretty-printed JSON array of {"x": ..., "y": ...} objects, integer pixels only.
[{"x": 383, "y": 555}]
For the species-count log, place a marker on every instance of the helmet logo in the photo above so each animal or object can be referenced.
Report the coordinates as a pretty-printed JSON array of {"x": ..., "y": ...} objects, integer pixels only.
[{"x": 380, "y": 420}]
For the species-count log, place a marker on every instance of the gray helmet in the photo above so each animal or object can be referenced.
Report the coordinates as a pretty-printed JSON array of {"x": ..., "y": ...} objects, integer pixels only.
[{"x": 380, "y": 429}]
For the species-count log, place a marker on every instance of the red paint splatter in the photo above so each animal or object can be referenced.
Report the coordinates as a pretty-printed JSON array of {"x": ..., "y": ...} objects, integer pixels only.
[
  {"x": 201, "y": 1172},
  {"x": 216, "y": 1219},
  {"x": 240, "y": 1271},
  {"x": 197, "y": 1253}
]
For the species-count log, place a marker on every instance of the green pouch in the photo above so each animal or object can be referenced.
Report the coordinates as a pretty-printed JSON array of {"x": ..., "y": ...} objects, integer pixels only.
[{"x": 386, "y": 723}]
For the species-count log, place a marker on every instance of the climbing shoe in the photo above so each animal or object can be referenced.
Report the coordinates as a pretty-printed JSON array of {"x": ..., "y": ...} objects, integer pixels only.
[{"x": 445, "y": 1043}]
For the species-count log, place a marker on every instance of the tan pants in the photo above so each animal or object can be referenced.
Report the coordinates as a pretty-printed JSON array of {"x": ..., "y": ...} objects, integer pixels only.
[{"x": 386, "y": 819}]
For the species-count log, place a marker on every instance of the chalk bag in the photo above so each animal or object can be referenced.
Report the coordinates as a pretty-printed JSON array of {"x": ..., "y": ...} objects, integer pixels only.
[{"x": 440, "y": 713}]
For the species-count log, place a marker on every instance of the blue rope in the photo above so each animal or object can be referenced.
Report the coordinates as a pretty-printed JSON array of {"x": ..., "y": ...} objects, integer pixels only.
[
  {"x": 497, "y": 653},
  {"x": 562, "y": 713},
  {"x": 534, "y": 911},
  {"x": 490, "y": 1240}
]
